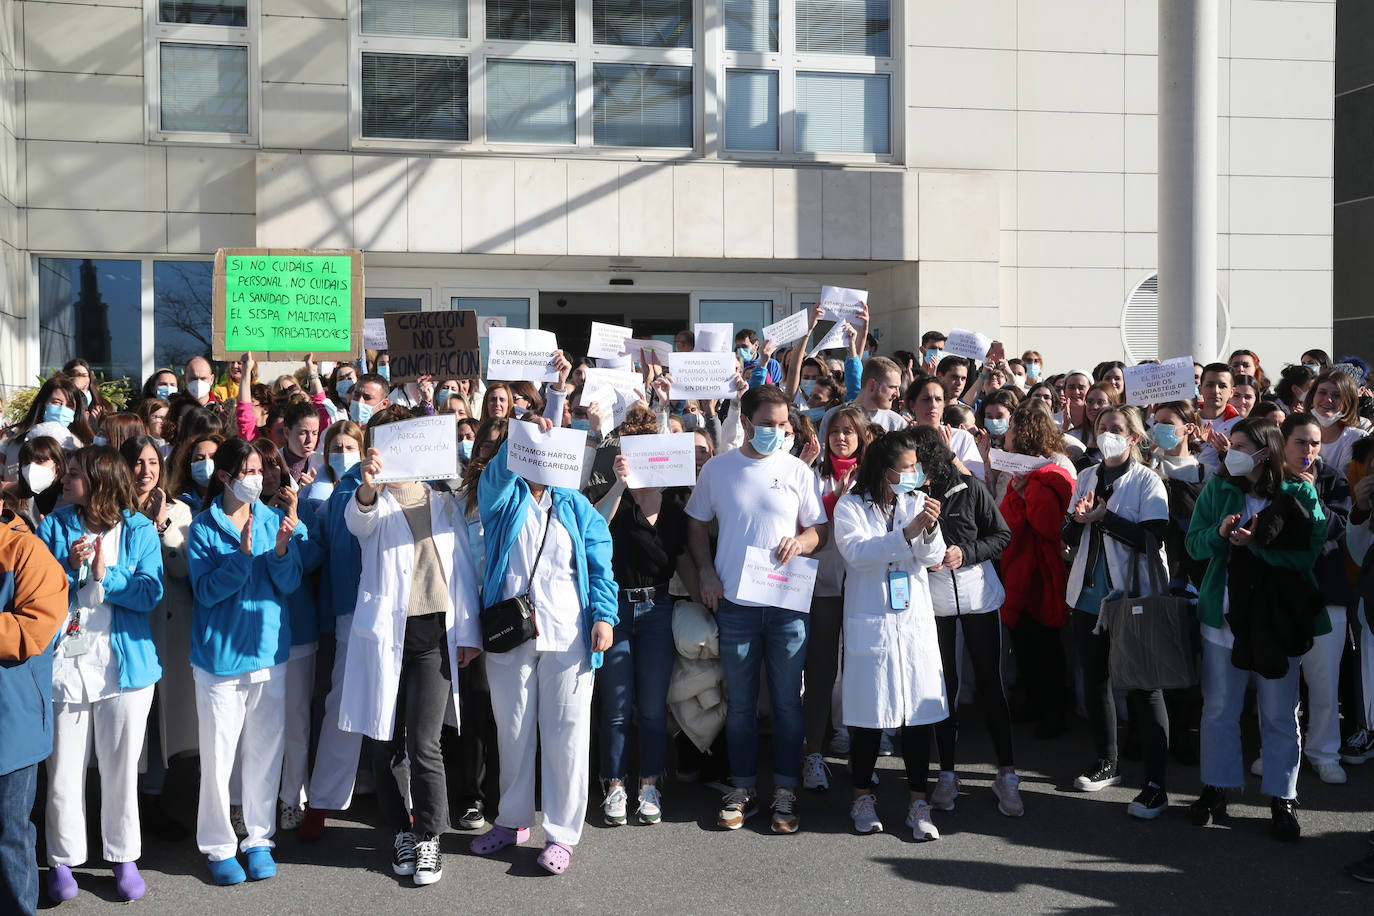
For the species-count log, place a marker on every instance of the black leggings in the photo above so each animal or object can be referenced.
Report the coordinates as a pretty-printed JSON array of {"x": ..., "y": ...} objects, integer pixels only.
[
  {"x": 863, "y": 755},
  {"x": 1146, "y": 706},
  {"x": 983, "y": 636},
  {"x": 1040, "y": 666}
]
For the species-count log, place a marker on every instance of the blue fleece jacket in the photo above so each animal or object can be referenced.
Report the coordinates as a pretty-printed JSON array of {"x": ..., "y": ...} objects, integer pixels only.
[
  {"x": 133, "y": 587},
  {"x": 503, "y": 501},
  {"x": 300, "y": 604},
  {"x": 239, "y": 620},
  {"x": 343, "y": 558}
]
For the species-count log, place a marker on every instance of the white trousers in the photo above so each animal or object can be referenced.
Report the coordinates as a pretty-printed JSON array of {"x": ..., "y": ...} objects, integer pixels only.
[
  {"x": 116, "y": 728},
  {"x": 543, "y": 698},
  {"x": 251, "y": 706},
  {"x": 336, "y": 756},
  {"x": 295, "y": 765},
  {"x": 1321, "y": 670}
]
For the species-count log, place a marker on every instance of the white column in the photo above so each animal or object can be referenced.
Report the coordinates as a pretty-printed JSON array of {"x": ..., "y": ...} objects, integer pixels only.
[{"x": 1188, "y": 179}]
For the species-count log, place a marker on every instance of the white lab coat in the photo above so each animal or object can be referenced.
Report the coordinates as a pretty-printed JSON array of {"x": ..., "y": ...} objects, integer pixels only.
[
  {"x": 1137, "y": 496},
  {"x": 892, "y": 671},
  {"x": 373, "y": 667}
]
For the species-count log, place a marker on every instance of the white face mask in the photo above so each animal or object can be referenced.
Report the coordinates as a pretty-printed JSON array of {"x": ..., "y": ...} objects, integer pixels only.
[
  {"x": 1239, "y": 464},
  {"x": 247, "y": 489},
  {"x": 198, "y": 388},
  {"x": 38, "y": 476},
  {"x": 1326, "y": 421},
  {"x": 1112, "y": 445}
]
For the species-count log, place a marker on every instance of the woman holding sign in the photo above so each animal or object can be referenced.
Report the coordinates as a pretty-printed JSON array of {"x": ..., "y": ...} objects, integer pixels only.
[
  {"x": 889, "y": 535},
  {"x": 545, "y": 545}
]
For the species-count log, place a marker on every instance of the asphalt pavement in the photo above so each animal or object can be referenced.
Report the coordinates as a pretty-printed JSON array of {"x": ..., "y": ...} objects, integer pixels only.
[{"x": 1072, "y": 852}]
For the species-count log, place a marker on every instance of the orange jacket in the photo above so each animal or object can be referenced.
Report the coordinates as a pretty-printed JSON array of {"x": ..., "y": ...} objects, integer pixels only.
[{"x": 33, "y": 594}]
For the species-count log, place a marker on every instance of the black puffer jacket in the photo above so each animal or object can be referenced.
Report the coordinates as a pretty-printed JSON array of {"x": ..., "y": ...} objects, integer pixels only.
[{"x": 969, "y": 520}]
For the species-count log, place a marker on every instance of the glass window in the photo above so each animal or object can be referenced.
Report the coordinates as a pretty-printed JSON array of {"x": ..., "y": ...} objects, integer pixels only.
[
  {"x": 531, "y": 20},
  {"x": 753, "y": 314},
  {"x": 860, "y": 27},
  {"x": 425, "y": 18},
  {"x": 751, "y": 25},
  {"x": 751, "y": 109},
  {"x": 515, "y": 311},
  {"x": 183, "y": 292},
  {"x": 642, "y": 23},
  {"x": 843, "y": 113},
  {"x": 642, "y": 105},
  {"x": 415, "y": 96},
  {"x": 378, "y": 306},
  {"x": 233, "y": 13},
  {"x": 204, "y": 87},
  {"x": 531, "y": 102},
  {"x": 92, "y": 309}
]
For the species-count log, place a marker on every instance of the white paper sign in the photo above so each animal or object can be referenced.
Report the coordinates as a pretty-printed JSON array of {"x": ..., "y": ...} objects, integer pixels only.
[
  {"x": 834, "y": 338},
  {"x": 789, "y": 329},
  {"x": 619, "y": 379},
  {"x": 554, "y": 458},
  {"x": 660, "y": 460},
  {"x": 485, "y": 324},
  {"x": 516, "y": 355},
  {"x": 1171, "y": 380},
  {"x": 763, "y": 581},
  {"x": 654, "y": 351},
  {"x": 608, "y": 340},
  {"x": 605, "y": 397},
  {"x": 1012, "y": 463},
  {"x": 968, "y": 344},
  {"x": 374, "y": 333},
  {"x": 714, "y": 338},
  {"x": 701, "y": 375},
  {"x": 838, "y": 302},
  {"x": 421, "y": 449}
]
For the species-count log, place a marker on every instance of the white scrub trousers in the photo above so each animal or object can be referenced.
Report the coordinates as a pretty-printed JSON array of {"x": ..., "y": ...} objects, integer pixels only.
[
  {"x": 336, "y": 756},
  {"x": 300, "y": 685}
]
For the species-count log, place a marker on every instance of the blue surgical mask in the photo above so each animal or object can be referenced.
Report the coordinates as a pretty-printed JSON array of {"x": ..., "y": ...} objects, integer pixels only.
[
  {"x": 359, "y": 412},
  {"x": 202, "y": 470},
  {"x": 582, "y": 423},
  {"x": 343, "y": 386},
  {"x": 806, "y": 386},
  {"x": 768, "y": 439},
  {"x": 745, "y": 354},
  {"x": 933, "y": 355},
  {"x": 60, "y": 414},
  {"x": 441, "y": 396},
  {"x": 99, "y": 440},
  {"x": 465, "y": 449},
  {"x": 340, "y": 462},
  {"x": 814, "y": 414},
  {"x": 996, "y": 426},
  {"x": 1165, "y": 435},
  {"x": 866, "y": 355},
  {"x": 384, "y": 370},
  {"x": 1315, "y": 367},
  {"x": 1032, "y": 371},
  {"x": 165, "y": 391},
  {"x": 910, "y": 480}
]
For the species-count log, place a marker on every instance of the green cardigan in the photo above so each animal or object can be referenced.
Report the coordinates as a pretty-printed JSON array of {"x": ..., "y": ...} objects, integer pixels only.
[{"x": 1220, "y": 498}]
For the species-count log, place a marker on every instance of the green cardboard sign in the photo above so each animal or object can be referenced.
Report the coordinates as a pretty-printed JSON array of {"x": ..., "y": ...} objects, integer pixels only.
[{"x": 287, "y": 302}]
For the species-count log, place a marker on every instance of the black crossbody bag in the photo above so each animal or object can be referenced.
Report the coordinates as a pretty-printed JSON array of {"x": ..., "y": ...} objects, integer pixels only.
[{"x": 511, "y": 623}]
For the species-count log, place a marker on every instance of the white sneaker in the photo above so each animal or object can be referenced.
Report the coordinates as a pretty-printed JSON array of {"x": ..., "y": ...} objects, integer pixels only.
[
  {"x": 839, "y": 742},
  {"x": 1008, "y": 791},
  {"x": 1257, "y": 768},
  {"x": 1328, "y": 771},
  {"x": 815, "y": 773},
  {"x": 918, "y": 819},
  {"x": 650, "y": 805},
  {"x": 865, "y": 816},
  {"x": 615, "y": 805},
  {"x": 946, "y": 791},
  {"x": 289, "y": 817}
]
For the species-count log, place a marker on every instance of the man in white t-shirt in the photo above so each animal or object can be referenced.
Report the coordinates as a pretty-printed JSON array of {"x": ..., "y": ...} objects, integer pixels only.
[
  {"x": 1216, "y": 416},
  {"x": 880, "y": 387},
  {"x": 760, "y": 496}
]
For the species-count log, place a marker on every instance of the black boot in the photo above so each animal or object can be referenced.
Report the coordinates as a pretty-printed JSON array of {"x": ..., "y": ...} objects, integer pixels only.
[
  {"x": 1283, "y": 824},
  {"x": 1210, "y": 806}
]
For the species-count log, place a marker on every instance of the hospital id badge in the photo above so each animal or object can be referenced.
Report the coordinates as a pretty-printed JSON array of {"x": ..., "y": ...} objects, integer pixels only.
[
  {"x": 898, "y": 589},
  {"x": 74, "y": 646}
]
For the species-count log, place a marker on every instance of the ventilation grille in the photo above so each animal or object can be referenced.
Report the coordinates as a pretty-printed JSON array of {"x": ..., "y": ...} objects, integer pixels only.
[{"x": 1140, "y": 324}]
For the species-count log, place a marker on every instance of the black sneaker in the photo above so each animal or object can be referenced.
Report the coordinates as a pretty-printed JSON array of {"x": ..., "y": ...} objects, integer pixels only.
[
  {"x": 1150, "y": 803},
  {"x": 1283, "y": 824},
  {"x": 429, "y": 865},
  {"x": 1099, "y": 776},
  {"x": 403, "y": 859},
  {"x": 1362, "y": 870},
  {"x": 1210, "y": 806},
  {"x": 474, "y": 818},
  {"x": 1358, "y": 748}
]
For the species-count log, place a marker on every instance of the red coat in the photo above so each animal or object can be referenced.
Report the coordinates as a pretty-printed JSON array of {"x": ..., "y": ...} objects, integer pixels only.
[{"x": 1034, "y": 573}]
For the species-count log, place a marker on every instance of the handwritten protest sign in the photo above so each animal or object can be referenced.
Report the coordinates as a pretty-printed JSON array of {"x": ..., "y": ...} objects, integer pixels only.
[
  {"x": 838, "y": 303},
  {"x": 763, "y": 582},
  {"x": 441, "y": 344},
  {"x": 619, "y": 379},
  {"x": 284, "y": 303},
  {"x": 660, "y": 460},
  {"x": 714, "y": 338},
  {"x": 1012, "y": 463},
  {"x": 968, "y": 344},
  {"x": 516, "y": 354},
  {"x": 1156, "y": 383},
  {"x": 608, "y": 340},
  {"x": 835, "y": 337},
  {"x": 789, "y": 329},
  {"x": 374, "y": 334},
  {"x": 702, "y": 375},
  {"x": 554, "y": 458},
  {"x": 654, "y": 352},
  {"x": 422, "y": 449}
]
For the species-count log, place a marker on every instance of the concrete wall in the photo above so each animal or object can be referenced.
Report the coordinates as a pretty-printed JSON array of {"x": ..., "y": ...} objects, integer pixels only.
[
  {"x": 1058, "y": 101},
  {"x": 12, "y": 274}
]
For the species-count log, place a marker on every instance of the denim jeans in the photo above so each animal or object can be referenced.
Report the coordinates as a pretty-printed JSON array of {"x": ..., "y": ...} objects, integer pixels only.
[
  {"x": 1223, "y": 696},
  {"x": 634, "y": 675},
  {"x": 18, "y": 866},
  {"x": 750, "y": 638}
]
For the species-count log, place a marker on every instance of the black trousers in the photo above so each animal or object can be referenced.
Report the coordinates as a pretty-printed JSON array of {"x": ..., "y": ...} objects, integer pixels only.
[
  {"x": 472, "y": 762},
  {"x": 1146, "y": 706},
  {"x": 983, "y": 637},
  {"x": 863, "y": 755},
  {"x": 1040, "y": 665}
]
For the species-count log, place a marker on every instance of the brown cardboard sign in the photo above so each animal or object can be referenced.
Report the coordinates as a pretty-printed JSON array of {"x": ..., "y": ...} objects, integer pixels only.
[{"x": 441, "y": 344}]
